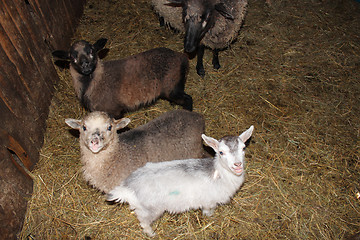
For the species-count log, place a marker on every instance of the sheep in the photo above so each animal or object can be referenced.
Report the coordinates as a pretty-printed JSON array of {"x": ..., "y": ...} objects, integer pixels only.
[
  {"x": 210, "y": 23},
  {"x": 179, "y": 185},
  {"x": 126, "y": 84},
  {"x": 108, "y": 157}
]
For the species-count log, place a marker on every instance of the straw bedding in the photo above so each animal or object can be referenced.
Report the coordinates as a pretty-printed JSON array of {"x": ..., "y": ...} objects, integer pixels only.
[{"x": 294, "y": 73}]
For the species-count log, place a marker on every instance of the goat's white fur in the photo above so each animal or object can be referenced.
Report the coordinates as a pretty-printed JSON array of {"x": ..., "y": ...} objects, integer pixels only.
[{"x": 179, "y": 185}]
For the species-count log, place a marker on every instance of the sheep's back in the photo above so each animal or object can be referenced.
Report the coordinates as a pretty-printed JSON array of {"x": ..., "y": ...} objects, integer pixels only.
[
  {"x": 146, "y": 76},
  {"x": 225, "y": 31},
  {"x": 174, "y": 135},
  {"x": 172, "y": 15}
]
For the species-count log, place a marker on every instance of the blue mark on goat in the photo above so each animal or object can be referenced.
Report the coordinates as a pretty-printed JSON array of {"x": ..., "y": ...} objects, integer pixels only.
[{"x": 176, "y": 192}]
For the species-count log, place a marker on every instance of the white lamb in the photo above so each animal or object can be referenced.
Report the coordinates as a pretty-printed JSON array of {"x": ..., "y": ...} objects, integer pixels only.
[{"x": 179, "y": 185}]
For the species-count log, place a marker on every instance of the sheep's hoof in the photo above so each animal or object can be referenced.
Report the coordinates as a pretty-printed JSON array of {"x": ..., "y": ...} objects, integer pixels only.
[
  {"x": 161, "y": 21},
  {"x": 201, "y": 72},
  {"x": 216, "y": 66}
]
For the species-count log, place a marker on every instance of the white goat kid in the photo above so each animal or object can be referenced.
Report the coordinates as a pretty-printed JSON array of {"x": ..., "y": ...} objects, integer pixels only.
[{"x": 179, "y": 185}]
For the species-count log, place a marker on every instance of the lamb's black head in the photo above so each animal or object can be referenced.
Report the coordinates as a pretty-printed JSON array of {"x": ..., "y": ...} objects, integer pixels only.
[{"x": 82, "y": 55}]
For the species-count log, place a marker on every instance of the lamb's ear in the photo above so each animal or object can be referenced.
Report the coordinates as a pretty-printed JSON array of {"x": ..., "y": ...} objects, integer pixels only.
[
  {"x": 247, "y": 134},
  {"x": 64, "y": 55},
  {"x": 212, "y": 142},
  {"x": 73, "y": 123},
  {"x": 99, "y": 44},
  {"x": 121, "y": 123},
  {"x": 223, "y": 10},
  {"x": 176, "y": 2}
]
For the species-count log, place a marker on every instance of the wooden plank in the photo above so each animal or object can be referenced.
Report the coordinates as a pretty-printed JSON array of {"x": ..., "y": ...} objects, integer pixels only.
[
  {"x": 29, "y": 31},
  {"x": 11, "y": 144},
  {"x": 24, "y": 136},
  {"x": 21, "y": 52},
  {"x": 13, "y": 92},
  {"x": 33, "y": 40},
  {"x": 16, "y": 189},
  {"x": 11, "y": 46}
]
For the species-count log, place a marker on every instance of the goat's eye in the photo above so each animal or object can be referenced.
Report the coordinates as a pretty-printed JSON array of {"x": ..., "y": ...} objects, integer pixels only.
[
  {"x": 221, "y": 153},
  {"x": 109, "y": 128},
  {"x": 84, "y": 128}
]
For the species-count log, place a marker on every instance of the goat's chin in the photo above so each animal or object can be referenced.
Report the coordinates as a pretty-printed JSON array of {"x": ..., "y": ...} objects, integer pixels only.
[{"x": 237, "y": 171}]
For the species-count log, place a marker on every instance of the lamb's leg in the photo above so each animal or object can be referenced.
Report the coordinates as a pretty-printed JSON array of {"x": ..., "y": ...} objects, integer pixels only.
[
  {"x": 200, "y": 65},
  {"x": 215, "y": 60}
]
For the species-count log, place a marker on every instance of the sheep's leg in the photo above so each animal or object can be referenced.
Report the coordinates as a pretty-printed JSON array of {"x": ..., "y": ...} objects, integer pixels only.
[
  {"x": 215, "y": 60},
  {"x": 182, "y": 99},
  {"x": 161, "y": 21},
  {"x": 179, "y": 97},
  {"x": 200, "y": 65}
]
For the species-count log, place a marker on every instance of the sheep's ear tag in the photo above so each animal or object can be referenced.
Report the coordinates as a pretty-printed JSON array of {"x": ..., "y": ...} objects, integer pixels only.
[{"x": 222, "y": 9}]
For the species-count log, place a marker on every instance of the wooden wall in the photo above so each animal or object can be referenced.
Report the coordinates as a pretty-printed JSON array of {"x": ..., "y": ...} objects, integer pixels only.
[{"x": 29, "y": 31}]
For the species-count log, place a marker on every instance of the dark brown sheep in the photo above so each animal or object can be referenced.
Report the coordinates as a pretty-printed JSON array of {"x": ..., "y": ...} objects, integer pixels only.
[{"x": 125, "y": 85}]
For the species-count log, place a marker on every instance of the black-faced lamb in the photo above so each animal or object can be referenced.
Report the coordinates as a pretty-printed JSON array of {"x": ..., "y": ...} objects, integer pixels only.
[
  {"x": 109, "y": 157},
  {"x": 211, "y": 23},
  {"x": 124, "y": 85},
  {"x": 179, "y": 185}
]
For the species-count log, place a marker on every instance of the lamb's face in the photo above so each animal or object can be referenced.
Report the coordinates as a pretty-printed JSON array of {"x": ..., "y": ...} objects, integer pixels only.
[
  {"x": 83, "y": 57},
  {"x": 97, "y": 131},
  {"x": 231, "y": 153}
]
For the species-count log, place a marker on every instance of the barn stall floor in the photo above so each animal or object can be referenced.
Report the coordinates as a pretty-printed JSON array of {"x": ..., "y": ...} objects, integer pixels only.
[{"x": 294, "y": 73}]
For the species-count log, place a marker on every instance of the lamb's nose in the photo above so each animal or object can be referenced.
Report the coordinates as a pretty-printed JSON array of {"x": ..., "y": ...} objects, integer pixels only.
[{"x": 238, "y": 164}]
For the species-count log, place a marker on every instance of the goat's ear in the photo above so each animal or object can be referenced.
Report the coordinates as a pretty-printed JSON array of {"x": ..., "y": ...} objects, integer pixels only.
[
  {"x": 223, "y": 10},
  {"x": 121, "y": 123},
  {"x": 247, "y": 134},
  {"x": 212, "y": 142},
  {"x": 99, "y": 44},
  {"x": 176, "y": 2},
  {"x": 73, "y": 123},
  {"x": 64, "y": 55}
]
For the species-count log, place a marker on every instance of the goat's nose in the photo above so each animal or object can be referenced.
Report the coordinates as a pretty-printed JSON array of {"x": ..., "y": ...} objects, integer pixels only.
[{"x": 238, "y": 164}]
